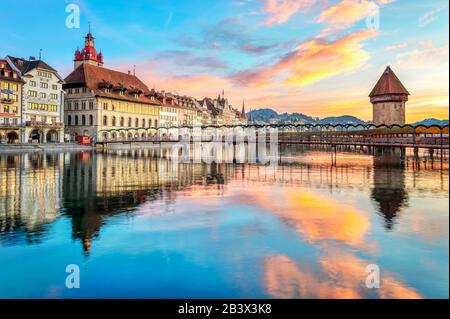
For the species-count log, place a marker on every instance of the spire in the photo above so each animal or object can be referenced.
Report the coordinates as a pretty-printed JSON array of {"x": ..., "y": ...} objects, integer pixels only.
[{"x": 243, "y": 108}]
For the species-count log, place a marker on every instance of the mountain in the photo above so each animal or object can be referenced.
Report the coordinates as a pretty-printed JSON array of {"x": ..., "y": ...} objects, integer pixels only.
[
  {"x": 344, "y": 119},
  {"x": 267, "y": 115},
  {"x": 431, "y": 121}
]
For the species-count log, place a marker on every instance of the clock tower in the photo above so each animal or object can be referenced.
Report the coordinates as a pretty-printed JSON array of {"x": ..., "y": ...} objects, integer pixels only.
[{"x": 88, "y": 54}]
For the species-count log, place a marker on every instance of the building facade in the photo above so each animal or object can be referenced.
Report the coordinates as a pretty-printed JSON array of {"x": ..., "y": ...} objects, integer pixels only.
[
  {"x": 105, "y": 104},
  {"x": 388, "y": 99},
  {"x": 42, "y": 101},
  {"x": 11, "y": 86}
]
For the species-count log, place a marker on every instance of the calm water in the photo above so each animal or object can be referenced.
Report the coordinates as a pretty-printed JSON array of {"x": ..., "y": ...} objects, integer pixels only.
[{"x": 140, "y": 225}]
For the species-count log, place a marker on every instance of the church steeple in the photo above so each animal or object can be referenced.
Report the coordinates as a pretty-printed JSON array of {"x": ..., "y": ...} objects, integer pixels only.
[
  {"x": 243, "y": 109},
  {"x": 89, "y": 53}
]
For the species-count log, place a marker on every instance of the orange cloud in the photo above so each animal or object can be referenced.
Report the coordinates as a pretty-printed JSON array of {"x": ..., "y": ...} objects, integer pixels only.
[
  {"x": 312, "y": 61},
  {"x": 341, "y": 276},
  {"x": 280, "y": 11},
  {"x": 346, "y": 13},
  {"x": 316, "y": 218}
]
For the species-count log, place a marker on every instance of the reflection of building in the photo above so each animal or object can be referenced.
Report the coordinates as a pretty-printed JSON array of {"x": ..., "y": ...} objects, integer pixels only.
[
  {"x": 99, "y": 99},
  {"x": 31, "y": 200},
  {"x": 42, "y": 112},
  {"x": 11, "y": 86},
  {"x": 389, "y": 185},
  {"x": 388, "y": 98}
]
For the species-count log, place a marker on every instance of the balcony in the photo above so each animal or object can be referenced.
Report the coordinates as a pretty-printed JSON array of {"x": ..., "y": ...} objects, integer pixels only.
[
  {"x": 44, "y": 124},
  {"x": 8, "y": 101}
]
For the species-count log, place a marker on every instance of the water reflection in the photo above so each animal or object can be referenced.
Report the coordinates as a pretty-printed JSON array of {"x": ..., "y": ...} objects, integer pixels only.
[
  {"x": 306, "y": 228},
  {"x": 389, "y": 191}
]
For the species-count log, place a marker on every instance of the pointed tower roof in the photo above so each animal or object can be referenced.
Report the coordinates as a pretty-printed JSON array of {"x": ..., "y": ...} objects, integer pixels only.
[
  {"x": 388, "y": 84},
  {"x": 243, "y": 109}
]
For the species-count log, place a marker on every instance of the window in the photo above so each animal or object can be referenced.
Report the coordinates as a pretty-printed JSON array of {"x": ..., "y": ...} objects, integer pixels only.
[
  {"x": 105, "y": 106},
  {"x": 150, "y": 123},
  {"x": 113, "y": 121},
  {"x": 69, "y": 105},
  {"x": 44, "y": 85},
  {"x": 76, "y": 119},
  {"x": 77, "y": 90},
  {"x": 91, "y": 120},
  {"x": 105, "y": 120},
  {"x": 69, "y": 120},
  {"x": 32, "y": 93},
  {"x": 129, "y": 122},
  {"x": 14, "y": 87},
  {"x": 44, "y": 119},
  {"x": 84, "y": 90},
  {"x": 121, "y": 121},
  {"x": 136, "y": 122},
  {"x": 53, "y": 96},
  {"x": 83, "y": 119},
  {"x": 83, "y": 105},
  {"x": 91, "y": 105},
  {"x": 54, "y": 86},
  {"x": 143, "y": 122},
  {"x": 76, "y": 106},
  {"x": 43, "y": 95}
]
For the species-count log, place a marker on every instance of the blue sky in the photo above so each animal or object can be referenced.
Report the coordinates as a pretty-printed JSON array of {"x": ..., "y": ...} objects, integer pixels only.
[{"x": 318, "y": 57}]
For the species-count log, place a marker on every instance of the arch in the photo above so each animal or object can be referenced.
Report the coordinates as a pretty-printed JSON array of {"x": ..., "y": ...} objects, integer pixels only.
[
  {"x": 105, "y": 120},
  {"x": 122, "y": 121},
  {"x": 37, "y": 135},
  {"x": 114, "y": 136},
  {"x": 12, "y": 137},
  {"x": 113, "y": 122},
  {"x": 143, "y": 123},
  {"x": 76, "y": 119},
  {"x": 136, "y": 122},
  {"x": 105, "y": 136},
  {"x": 69, "y": 120},
  {"x": 83, "y": 120},
  {"x": 122, "y": 136},
  {"x": 129, "y": 122},
  {"x": 91, "y": 120},
  {"x": 52, "y": 136}
]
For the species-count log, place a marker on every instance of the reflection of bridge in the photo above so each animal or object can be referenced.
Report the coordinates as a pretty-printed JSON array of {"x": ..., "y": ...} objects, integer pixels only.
[{"x": 421, "y": 136}]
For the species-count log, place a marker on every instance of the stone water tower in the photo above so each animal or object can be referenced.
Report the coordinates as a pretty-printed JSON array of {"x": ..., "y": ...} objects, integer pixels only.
[{"x": 388, "y": 98}]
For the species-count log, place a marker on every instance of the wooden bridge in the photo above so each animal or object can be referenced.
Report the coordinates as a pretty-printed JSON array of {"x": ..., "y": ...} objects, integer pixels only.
[{"x": 425, "y": 137}]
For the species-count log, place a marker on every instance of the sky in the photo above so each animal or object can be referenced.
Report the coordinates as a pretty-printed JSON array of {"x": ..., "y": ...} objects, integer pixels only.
[{"x": 317, "y": 57}]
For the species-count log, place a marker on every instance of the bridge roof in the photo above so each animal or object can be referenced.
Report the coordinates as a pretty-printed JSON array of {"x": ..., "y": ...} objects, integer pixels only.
[{"x": 388, "y": 84}]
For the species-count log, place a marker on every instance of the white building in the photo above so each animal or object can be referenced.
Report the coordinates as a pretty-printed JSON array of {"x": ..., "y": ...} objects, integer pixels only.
[{"x": 42, "y": 111}]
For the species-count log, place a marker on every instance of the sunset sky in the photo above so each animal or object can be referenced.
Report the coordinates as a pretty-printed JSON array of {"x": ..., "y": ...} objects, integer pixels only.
[{"x": 318, "y": 57}]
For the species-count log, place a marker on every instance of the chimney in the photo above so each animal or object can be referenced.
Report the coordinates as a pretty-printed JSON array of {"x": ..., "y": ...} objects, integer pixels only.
[{"x": 32, "y": 58}]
